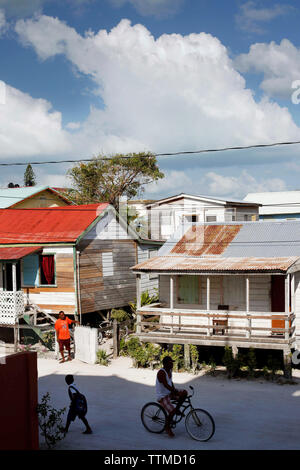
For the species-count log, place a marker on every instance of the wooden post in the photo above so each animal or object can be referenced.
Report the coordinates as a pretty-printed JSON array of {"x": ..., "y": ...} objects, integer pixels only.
[
  {"x": 116, "y": 339},
  {"x": 208, "y": 304},
  {"x": 172, "y": 300},
  {"x": 287, "y": 360},
  {"x": 138, "y": 303},
  {"x": 287, "y": 306},
  {"x": 187, "y": 358},
  {"x": 248, "y": 333}
]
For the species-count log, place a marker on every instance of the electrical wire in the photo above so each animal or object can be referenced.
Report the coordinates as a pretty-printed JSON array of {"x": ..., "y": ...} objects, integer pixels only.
[{"x": 166, "y": 154}]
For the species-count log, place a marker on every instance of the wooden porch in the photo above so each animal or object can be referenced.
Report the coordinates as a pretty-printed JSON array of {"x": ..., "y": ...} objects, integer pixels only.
[
  {"x": 168, "y": 322},
  {"x": 215, "y": 328}
]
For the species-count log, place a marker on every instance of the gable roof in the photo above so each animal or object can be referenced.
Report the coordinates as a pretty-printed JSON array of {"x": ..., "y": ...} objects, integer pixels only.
[
  {"x": 9, "y": 197},
  {"x": 248, "y": 246},
  {"x": 199, "y": 197},
  {"x": 47, "y": 225}
]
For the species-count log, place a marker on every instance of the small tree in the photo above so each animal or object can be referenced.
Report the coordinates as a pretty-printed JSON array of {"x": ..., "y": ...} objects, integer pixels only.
[
  {"x": 29, "y": 176},
  {"x": 50, "y": 421},
  {"x": 108, "y": 179}
]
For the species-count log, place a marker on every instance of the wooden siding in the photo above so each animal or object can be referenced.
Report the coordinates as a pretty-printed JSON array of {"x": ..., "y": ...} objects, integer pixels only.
[
  {"x": 148, "y": 282},
  {"x": 59, "y": 297},
  {"x": 98, "y": 292}
]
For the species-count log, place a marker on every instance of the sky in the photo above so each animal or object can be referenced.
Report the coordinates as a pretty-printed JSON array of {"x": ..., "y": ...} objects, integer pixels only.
[{"x": 84, "y": 77}]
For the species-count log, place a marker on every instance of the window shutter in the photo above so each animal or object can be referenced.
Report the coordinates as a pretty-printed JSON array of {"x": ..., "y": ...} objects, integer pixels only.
[{"x": 30, "y": 270}]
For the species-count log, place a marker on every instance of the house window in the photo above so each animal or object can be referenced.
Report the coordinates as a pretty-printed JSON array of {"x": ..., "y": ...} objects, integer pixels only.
[
  {"x": 107, "y": 264},
  {"x": 188, "y": 290},
  {"x": 191, "y": 218},
  {"x": 47, "y": 270},
  {"x": 211, "y": 218}
]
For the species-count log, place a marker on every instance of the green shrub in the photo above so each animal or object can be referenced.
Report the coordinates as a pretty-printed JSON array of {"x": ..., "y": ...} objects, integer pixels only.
[
  {"x": 49, "y": 339},
  {"x": 273, "y": 365},
  {"x": 120, "y": 315},
  {"x": 212, "y": 365},
  {"x": 232, "y": 364},
  {"x": 50, "y": 422},
  {"x": 251, "y": 362},
  {"x": 194, "y": 357},
  {"x": 176, "y": 355},
  {"x": 102, "y": 357}
]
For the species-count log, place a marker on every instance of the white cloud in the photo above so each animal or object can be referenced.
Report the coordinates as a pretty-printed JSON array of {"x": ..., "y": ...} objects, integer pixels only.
[
  {"x": 159, "y": 8},
  {"x": 279, "y": 63},
  {"x": 173, "y": 93},
  {"x": 251, "y": 18},
  {"x": 240, "y": 186},
  {"x": 29, "y": 127},
  {"x": 3, "y": 23},
  {"x": 174, "y": 182}
]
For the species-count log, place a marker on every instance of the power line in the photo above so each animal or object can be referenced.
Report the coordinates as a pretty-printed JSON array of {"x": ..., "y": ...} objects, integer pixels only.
[{"x": 167, "y": 154}]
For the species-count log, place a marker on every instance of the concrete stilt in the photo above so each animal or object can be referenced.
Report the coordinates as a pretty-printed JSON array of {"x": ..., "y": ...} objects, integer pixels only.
[
  {"x": 187, "y": 358},
  {"x": 235, "y": 351}
]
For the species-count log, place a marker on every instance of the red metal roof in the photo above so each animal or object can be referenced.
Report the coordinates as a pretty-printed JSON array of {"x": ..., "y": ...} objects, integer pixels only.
[
  {"x": 15, "y": 253},
  {"x": 47, "y": 225},
  {"x": 184, "y": 264},
  {"x": 206, "y": 240}
]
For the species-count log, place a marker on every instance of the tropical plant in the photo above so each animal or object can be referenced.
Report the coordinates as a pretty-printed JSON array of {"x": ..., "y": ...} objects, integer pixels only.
[
  {"x": 194, "y": 357},
  {"x": 102, "y": 357},
  {"x": 120, "y": 315},
  {"x": 50, "y": 421}
]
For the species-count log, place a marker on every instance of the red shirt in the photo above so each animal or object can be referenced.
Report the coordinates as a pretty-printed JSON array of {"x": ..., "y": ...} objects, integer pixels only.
[{"x": 62, "y": 326}]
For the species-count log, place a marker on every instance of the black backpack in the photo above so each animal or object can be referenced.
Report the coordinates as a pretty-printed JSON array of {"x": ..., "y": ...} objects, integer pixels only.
[{"x": 80, "y": 402}]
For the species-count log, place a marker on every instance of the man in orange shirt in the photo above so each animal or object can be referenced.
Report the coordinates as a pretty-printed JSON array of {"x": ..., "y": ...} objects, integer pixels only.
[{"x": 63, "y": 334}]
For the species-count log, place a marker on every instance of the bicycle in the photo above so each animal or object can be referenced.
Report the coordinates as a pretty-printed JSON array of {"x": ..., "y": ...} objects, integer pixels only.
[{"x": 198, "y": 422}]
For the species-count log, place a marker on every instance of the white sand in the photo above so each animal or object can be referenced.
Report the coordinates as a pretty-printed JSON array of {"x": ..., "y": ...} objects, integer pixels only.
[{"x": 248, "y": 414}]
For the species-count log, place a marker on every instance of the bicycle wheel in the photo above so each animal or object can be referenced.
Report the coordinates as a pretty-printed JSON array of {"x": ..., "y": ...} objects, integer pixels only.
[
  {"x": 200, "y": 425},
  {"x": 154, "y": 417}
]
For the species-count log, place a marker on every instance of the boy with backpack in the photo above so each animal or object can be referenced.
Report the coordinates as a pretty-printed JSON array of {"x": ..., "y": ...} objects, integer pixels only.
[{"x": 78, "y": 406}]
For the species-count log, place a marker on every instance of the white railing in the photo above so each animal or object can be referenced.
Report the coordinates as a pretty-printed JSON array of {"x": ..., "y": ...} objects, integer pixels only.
[
  {"x": 215, "y": 322},
  {"x": 11, "y": 306}
]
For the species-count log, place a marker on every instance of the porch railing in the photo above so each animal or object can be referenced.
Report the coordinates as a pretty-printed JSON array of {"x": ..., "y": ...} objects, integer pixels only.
[
  {"x": 230, "y": 323},
  {"x": 11, "y": 306}
]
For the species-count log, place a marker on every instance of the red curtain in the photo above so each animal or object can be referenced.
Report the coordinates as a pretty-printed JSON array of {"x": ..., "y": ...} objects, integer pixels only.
[{"x": 48, "y": 268}]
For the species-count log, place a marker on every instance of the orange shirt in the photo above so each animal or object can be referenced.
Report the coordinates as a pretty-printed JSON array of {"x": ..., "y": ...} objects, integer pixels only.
[{"x": 62, "y": 326}]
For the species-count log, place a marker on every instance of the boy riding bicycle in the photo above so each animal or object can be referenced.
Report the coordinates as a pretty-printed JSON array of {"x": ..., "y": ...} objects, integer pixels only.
[{"x": 165, "y": 392}]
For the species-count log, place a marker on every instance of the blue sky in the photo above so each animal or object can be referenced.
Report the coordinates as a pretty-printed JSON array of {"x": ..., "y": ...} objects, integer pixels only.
[{"x": 88, "y": 76}]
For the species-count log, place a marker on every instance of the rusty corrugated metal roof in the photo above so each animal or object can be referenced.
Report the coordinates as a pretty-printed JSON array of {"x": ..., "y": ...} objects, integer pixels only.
[
  {"x": 206, "y": 240},
  {"x": 17, "y": 253},
  {"x": 185, "y": 264}
]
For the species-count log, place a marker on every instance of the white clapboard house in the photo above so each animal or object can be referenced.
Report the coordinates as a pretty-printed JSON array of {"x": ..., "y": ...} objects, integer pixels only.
[
  {"x": 235, "y": 284},
  {"x": 72, "y": 258}
]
